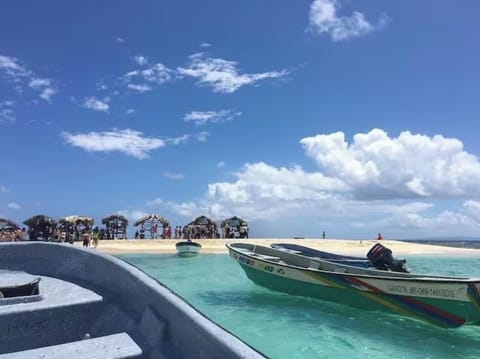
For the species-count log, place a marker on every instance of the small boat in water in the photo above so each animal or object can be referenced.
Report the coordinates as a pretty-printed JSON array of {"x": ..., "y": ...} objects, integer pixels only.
[
  {"x": 188, "y": 248},
  {"x": 61, "y": 301},
  {"x": 440, "y": 300},
  {"x": 378, "y": 257}
]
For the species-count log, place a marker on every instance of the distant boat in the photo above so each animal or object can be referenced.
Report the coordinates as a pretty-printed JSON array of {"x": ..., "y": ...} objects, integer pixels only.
[
  {"x": 188, "y": 248},
  {"x": 440, "y": 300},
  {"x": 60, "y": 301}
]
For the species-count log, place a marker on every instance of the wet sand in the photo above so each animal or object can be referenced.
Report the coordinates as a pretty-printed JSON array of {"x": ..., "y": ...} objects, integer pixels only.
[{"x": 340, "y": 246}]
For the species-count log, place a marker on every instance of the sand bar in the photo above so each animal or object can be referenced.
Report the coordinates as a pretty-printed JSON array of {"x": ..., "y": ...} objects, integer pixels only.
[{"x": 340, "y": 246}]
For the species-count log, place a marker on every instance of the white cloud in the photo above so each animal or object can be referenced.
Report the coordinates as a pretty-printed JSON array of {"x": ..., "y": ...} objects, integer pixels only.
[
  {"x": 157, "y": 74},
  {"x": 173, "y": 176},
  {"x": 129, "y": 142},
  {"x": 95, "y": 104},
  {"x": 185, "y": 209},
  {"x": 178, "y": 140},
  {"x": 13, "y": 68},
  {"x": 120, "y": 40},
  {"x": 222, "y": 75},
  {"x": 202, "y": 136},
  {"x": 130, "y": 111},
  {"x": 139, "y": 88},
  {"x": 140, "y": 60},
  {"x": 411, "y": 165},
  {"x": 13, "y": 205},
  {"x": 374, "y": 183},
  {"x": 6, "y": 112},
  {"x": 324, "y": 20},
  {"x": 4, "y": 189},
  {"x": 132, "y": 215},
  {"x": 203, "y": 117},
  {"x": 205, "y": 44},
  {"x": 17, "y": 72},
  {"x": 221, "y": 164}
]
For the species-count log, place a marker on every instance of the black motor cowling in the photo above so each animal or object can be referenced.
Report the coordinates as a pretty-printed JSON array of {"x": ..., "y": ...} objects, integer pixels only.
[{"x": 381, "y": 258}]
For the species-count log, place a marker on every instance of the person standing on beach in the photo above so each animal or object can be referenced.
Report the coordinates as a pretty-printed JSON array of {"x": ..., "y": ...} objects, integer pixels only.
[{"x": 379, "y": 237}]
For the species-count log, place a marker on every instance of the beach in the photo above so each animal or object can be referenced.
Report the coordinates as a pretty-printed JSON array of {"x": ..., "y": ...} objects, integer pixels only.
[{"x": 340, "y": 246}]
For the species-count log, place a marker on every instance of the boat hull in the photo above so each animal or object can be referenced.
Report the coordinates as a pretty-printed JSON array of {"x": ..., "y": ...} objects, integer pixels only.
[
  {"x": 442, "y": 303},
  {"x": 188, "y": 248}
]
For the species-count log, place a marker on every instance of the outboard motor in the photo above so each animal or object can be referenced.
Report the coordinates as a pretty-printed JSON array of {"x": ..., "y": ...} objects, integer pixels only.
[{"x": 381, "y": 258}]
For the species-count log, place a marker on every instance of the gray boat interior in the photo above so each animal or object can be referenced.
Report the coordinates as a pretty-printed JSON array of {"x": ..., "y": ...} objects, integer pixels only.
[
  {"x": 91, "y": 305},
  {"x": 289, "y": 258}
]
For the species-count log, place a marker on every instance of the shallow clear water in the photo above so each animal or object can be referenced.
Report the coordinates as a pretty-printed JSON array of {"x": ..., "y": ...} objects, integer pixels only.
[{"x": 284, "y": 326}]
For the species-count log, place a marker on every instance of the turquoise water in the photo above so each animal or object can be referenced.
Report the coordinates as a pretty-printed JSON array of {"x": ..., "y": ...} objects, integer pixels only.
[{"x": 283, "y": 326}]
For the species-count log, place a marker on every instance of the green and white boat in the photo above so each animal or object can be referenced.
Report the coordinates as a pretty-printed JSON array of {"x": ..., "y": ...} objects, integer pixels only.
[{"x": 443, "y": 301}]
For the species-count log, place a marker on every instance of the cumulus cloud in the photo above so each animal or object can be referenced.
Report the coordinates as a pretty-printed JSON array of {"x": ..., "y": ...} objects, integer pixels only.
[
  {"x": 20, "y": 75},
  {"x": 129, "y": 142},
  {"x": 402, "y": 183},
  {"x": 325, "y": 20},
  {"x": 13, "y": 205},
  {"x": 204, "y": 117},
  {"x": 377, "y": 166},
  {"x": 92, "y": 103},
  {"x": 222, "y": 75}
]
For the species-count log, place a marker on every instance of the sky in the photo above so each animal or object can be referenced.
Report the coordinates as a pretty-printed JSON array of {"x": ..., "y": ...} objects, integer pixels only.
[{"x": 347, "y": 116}]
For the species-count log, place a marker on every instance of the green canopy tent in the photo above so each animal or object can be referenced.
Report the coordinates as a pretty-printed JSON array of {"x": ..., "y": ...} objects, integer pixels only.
[
  {"x": 150, "y": 223},
  {"x": 41, "y": 227},
  {"x": 116, "y": 226}
]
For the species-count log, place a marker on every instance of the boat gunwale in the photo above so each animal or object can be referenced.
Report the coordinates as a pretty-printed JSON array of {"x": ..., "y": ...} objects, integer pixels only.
[{"x": 408, "y": 276}]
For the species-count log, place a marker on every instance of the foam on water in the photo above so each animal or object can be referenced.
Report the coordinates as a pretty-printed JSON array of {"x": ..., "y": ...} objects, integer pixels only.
[{"x": 284, "y": 326}]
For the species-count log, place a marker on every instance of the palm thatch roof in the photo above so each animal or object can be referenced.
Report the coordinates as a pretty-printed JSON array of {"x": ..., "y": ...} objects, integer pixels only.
[
  {"x": 82, "y": 220},
  {"x": 201, "y": 220},
  {"x": 115, "y": 218},
  {"x": 233, "y": 222},
  {"x": 39, "y": 220},
  {"x": 153, "y": 217},
  {"x": 6, "y": 224}
]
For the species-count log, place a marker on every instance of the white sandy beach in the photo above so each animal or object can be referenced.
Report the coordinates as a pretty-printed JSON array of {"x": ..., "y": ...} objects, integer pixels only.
[{"x": 347, "y": 247}]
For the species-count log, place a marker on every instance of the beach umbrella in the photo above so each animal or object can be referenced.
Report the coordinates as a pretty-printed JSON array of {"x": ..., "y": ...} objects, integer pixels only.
[
  {"x": 153, "y": 217},
  {"x": 6, "y": 224}
]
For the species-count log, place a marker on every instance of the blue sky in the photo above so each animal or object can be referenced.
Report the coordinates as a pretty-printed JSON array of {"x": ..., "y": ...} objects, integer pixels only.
[{"x": 353, "y": 117}]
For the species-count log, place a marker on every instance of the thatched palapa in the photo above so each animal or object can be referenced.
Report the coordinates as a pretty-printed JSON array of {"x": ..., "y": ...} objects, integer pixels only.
[
  {"x": 116, "y": 225},
  {"x": 150, "y": 224},
  {"x": 6, "y": 225}
]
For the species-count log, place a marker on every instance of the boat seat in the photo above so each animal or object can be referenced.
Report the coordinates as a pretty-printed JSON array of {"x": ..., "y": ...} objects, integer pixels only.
[{"x": 113, "y": 346}]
